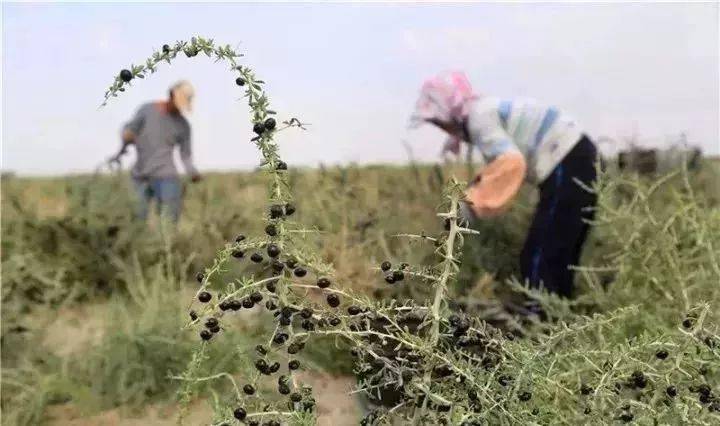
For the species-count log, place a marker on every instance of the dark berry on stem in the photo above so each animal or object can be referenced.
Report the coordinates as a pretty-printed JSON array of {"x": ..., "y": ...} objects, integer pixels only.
[
  {"x": 398, "y": 276},
  {"x": 200, "y": 277},
  {"x": 390, "y": 279},
  {"x": 247, "y": 303},
  {"x": 166, "y": 48},
  {"x": 205, "y": 334},
  {"x": 211, "y": 322},
  {"x": 261, "y": 365},
  {"x": 294, "y": 364},
  {"x": 661, "y": 354},
  {"x": 323, "y": 282},
  {"x": 240, "y": 413},
  {"x": 291, "y": 263},
  {"x": 256, "y": 257},
  {"x": 335, "y": 321},
  {"x": 295, "y": 397},
  {"x": 224, "y": 305},
  {"x": 271, "y": 230},
  {"x": 289, "y": 209},
  {"x": 276, "y": 211},
  {"x": 256, "y": 297},
  {"x": 284, "y": 389},
  {"x": 306, "y": 313},
  {"x": 671, "y": 391},
  {"x": 239, "y": 81},
  {"x": 281, "y": 165},
  {"x": 204, "y": 296},
  {"x": 126, "y": 76},
  {"x": 687, "y": 323},
  {"x": 308, "y": 325},
  {"x": 273, "y": 250},
  {"x": 235, "y": 305},
  {"x": 300, "y": 272},
  {"x": 215, "y": 329},
  {"x": 333, "y": 300},
  {"x": 274, "y": 367},
  {"x": 270, "y": 305},
  {"x": 270, "y": 124},
  {"x": 193, "y": 315},
  {"x": 293, "y": 348},
  {"x": 277, "y": 266},
  {"x": 270, "y": 286},
  {"x": 261, "y": 349},
  {"x": 385, "y": 266},
  {"x": 249, "y": 389},
  {"x": 237, "y": 254},
  {"x": 354, "y": 310},
  {"x": 240, "y": 238}
]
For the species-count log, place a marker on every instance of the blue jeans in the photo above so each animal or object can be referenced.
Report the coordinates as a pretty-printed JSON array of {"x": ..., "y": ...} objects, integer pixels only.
[{"x": 167, "y": 193}]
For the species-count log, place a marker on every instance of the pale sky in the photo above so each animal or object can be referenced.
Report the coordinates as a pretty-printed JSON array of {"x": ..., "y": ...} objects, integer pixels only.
[{"x": 353, "y": 71}]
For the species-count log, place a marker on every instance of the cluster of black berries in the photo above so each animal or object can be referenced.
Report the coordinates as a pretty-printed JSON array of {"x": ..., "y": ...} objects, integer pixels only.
[
  {"x": 264, "y": 126},
  {"x": 393, "y": 276}
]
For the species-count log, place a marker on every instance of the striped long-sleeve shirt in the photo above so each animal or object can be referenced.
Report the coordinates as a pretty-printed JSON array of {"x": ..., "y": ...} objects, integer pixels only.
[{"x": 544, "y": 135}]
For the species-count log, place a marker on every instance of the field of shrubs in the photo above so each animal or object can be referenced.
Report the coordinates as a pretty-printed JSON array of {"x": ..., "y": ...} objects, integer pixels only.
[{"x": 284, "y": 289}]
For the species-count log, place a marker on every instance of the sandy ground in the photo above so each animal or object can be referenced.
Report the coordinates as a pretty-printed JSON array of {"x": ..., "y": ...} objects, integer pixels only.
[
  {"x": 335, "y": 408},
  {"x": 75, "y": 328}
]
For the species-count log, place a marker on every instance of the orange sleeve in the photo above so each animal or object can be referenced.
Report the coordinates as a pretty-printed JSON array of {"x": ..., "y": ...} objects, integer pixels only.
[{"x": 499, "y": 182}]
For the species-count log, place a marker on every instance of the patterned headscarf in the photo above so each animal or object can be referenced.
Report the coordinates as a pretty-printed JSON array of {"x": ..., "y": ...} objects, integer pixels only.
[{"x": 444, "y": 97}]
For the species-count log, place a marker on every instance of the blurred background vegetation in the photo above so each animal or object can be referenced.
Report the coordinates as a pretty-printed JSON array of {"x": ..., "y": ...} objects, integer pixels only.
[{"x": 93, "y": 302}]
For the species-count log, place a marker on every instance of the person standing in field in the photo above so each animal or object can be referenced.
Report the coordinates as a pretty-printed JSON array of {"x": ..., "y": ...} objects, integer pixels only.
[
  {"x": 521, "y": 140},
  {"x": 155, "y": 130}
]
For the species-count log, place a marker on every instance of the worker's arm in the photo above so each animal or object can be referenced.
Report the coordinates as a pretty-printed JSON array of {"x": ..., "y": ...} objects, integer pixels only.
[
  {"x": 131, "y": 129},
  {"x": 499, "y": 182},
  {"x": 186, "y": 156}
]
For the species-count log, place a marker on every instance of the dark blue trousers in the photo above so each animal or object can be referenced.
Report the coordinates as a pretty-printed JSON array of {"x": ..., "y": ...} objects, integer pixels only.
[{"x": 560, "y": 225}]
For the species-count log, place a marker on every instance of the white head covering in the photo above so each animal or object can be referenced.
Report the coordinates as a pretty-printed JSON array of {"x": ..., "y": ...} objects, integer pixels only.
[{"x": 182, "y": 95}]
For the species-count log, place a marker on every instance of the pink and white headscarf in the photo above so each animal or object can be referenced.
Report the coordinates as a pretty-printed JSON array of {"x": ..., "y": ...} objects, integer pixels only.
[{"x": 444, "y": 97}]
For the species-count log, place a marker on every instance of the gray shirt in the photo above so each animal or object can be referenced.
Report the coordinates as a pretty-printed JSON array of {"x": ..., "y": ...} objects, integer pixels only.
[{"x": 157, "y": 131}]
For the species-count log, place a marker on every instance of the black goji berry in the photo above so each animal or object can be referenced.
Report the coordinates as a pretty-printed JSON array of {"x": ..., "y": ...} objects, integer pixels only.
[
  {"x": 256, "y": 297},
  {"x": 166, "y": 49},
  {"x": 240, "y": 413},
  {"x": 323, "y": 282},
  {"x": 211, "y": 322},
  {"x": 126, "y": 76},
  {"x": 247, "y": 303},
  {"x": 271, "y": 230},
  {"x": 204, "y": 296},
  {"x": 256, "y": 257},
  {"x": 269, "y": 124},
  {"x": 661, "y": 354},
  {"x": 333, "y": 300},
  {"x": 671, "y": 391},
  {"x": 295, "y": 397},
  {"x": 193, "y": 315},
  {"x": 354, "y": 310},
  {"x": 273, "y": 250},
  {"x": 205, "y": 334},
  {"x": 238, "y": 254},
  {"x": 294, "y": 364},
  {"x": 276, "y": 211},
  {"x": 199, "y": 277},
  {"x": 385, "y": 266},
  {"x": 258, "y": 128},
  {"x": 300, "y": 272},
  {"x": 398, "y": 276},
  {"x": 240, "y": 81},
  {"x": 249, "y": 389}
]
